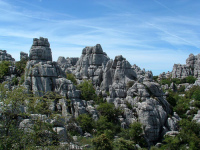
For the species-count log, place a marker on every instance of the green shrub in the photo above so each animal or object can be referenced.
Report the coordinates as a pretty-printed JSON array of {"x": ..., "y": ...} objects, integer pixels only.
[
  {"x": 22, "y": 79},
  {"x": 171, "y": 99},
  {"x": 86, "y": 122},
  {"x": 87, "y": 90},
  {"x": 134, "y": 133},
  {"x": 102, "y": 142},
  {"x": 103, "y": 124},
  {"x": 155, "y": 78},
  {"x": 15, "y": 81},
  {"x": 4, "y": 68},
  {"x": 196, "y": 95},
  {"x": 189, "y": 135},
  {"x": 71, "y": 77},
  {"x": 108, "y": 110},
  {"x": 20, "y": 66},
  {"x": 181, "y": 89},
  {"x": 190, "y": 79},
  {"x": 122, "y": 144},
  {"x": 191, "y": 91}
]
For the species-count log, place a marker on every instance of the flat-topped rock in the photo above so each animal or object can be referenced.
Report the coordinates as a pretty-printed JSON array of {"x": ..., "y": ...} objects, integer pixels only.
[{"x": 40, "y": 50}]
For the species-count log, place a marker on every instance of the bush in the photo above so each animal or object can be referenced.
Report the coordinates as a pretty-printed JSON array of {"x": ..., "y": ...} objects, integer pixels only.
[
  {"x": 134, "y": 133},
  {"x": 194, "y": 89},
  {"x": 103, "y": 124},
  {"x": 102, "y": 142},
  {"x": 86, "y": 122},
  {"x": 14, "y": 81},
  {"x": 108, "y": 110},
  {"x": 181, "y": 89},
  {"x": 4, "y": 68},
  {"x": 71, "y": 77},
  {"x": 20, "y": 66},
  {"x": 155, "y": 78},
  {"x": 122, "y": 144},
  {"x": 189, "y": 135},
  {"x": 87, "y": 90},
  {"x": 171, "y": 99},
  {"x": 190, "y": 79}
]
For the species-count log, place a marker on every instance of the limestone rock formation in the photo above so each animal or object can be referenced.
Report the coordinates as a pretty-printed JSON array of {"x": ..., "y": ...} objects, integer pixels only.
[
  {"x": 5, "y": 56},
  {"x": 90, "y": 64},
  {"x": 192, "y": 67},
  {"x": 42, "y": 76},
  {"x": 67, "y": 64},
  {"x": 117, "y": 73},
  {"x": 40, "y": 50},
  {"x": 23, "y": 56}
]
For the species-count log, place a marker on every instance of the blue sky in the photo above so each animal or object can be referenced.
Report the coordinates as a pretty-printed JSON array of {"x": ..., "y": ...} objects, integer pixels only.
[{"x": 153, "y": 34}]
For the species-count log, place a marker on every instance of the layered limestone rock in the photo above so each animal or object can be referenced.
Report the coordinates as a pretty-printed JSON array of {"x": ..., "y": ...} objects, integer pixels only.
[
  {"x": 117, "y": 74},
  {"x": 42, "y": 76},
  {"x": 144, "y": 102},
  {"x": 41, "y": 73},
  {"x": 192, "y": 67},
  {"x": 23, "y": 56},
  {"x": 40, "y": 50},
  {"x": 5, "y": 56},
  {"x": 67, "y": 64},
  {"x": 90, "y": 65}
]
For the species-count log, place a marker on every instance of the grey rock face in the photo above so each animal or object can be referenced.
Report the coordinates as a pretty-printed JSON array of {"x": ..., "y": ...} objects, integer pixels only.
[
  {"x": 67, "y": 64},
  {"x": 5, "y": 56},
  {"x": 148, "y": 106},
  {"x": 192, "y": 67},
  {"x": 23, "y": 56},
  {"x": 117, "y": 72},
  {"x": 40, "y": 50},
  {"x": 197, "y": 117},
  {"x": 89, "y": 66}
]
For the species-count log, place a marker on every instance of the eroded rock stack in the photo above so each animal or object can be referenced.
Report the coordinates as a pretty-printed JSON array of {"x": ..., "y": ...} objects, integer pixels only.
[
  {"x": 90, "y": 64},
  {"x": 191, "y": 68}
]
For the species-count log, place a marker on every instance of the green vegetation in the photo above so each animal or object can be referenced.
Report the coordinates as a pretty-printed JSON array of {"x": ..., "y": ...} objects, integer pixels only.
[
  {"x": 102, "y": 142},
  {"x": 40, "y": 133},
  {"x": 122, "y": 144},
  {"x": 189, "y": 79},
  {"x": 134, "y": 133},
  {"x": 86, "y": 122},
  {"x": 87, "y": 90},
  {"x": 71, "y": 77},
  {"x": 20, "y": 66},
  {"x": 109, "y": 111},
  {"x": 189, "y": 136},
  {"x": 4, "y": 68}
]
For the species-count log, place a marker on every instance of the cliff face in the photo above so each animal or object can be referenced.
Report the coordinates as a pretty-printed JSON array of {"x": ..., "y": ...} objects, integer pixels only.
[{"x": 191, "y": 68}]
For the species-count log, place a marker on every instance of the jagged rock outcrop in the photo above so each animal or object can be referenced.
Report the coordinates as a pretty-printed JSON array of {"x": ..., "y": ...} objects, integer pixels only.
[
  {"x": 67, "y": 64},
  {"x": 5, "y": 56},
  {"x": 117, "y": 73},
  {"x": 91, "y": 63},
  {"x": 42, "y": 76},
  {"x": 164, "y": 75},
  {"x": 148, "y": 106},
  {"x": 192, "y": 67},
  {"x": 23, "y": 56}
]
